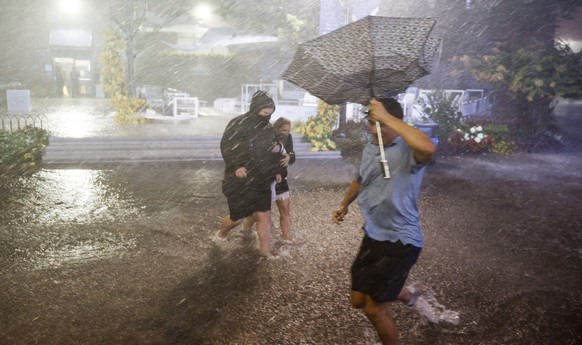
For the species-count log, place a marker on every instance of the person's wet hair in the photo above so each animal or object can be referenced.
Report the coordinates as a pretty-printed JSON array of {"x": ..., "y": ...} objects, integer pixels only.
[
  {"x": 280, "y": 122},
  {"x": 393, "y": 107}
]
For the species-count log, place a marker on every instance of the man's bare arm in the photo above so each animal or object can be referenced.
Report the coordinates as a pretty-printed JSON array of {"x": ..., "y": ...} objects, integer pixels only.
[
  {"x": 351, "y": 194},
  {"x": 423, "y": 146}
]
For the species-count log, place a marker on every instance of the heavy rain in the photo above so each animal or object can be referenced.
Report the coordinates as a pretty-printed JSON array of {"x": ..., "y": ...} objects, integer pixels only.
[{"x": 108, "y": 230}]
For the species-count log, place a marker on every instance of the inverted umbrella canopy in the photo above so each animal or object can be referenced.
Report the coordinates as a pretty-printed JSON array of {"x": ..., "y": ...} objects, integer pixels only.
[{"x": 372, "y": 57}]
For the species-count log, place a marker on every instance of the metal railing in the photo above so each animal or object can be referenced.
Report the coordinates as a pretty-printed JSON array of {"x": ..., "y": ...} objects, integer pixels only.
[
  {"x": 10, "y": 123},
  {"x": 184, "y": 105},
  {"x": 476, "y": 107}
]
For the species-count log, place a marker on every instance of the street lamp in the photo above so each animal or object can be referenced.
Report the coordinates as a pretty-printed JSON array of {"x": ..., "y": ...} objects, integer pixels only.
[
  {"x": 70, "y": 7},
  {"x": 203, "y": 12}
]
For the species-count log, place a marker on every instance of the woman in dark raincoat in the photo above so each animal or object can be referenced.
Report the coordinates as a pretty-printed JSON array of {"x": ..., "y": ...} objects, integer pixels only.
[{"x": 250, "y": 168}]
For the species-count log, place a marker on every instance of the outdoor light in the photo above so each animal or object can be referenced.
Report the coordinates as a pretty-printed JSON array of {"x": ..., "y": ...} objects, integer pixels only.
[
  {"x": 203, "y": 11},
  {"x": 70, "y": 7}
]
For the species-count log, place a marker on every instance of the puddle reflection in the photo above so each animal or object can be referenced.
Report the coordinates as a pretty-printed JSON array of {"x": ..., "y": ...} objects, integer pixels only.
[
  {"x": 77, "y": 118},
  {"x": 67, "y": 196},
  {"x": 56, "y": 217}
]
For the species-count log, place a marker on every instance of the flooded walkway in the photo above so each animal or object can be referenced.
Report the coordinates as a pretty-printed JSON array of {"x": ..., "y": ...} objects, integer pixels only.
[
  {"x": 81, "y": 118},
  {"x": 124, "y": 254},
  {"x": 83, "y": 131}
]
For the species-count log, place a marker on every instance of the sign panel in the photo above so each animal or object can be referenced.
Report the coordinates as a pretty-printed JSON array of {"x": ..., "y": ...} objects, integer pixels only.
[
  {"x": 18, "y": 101},
  {"x": 71, "y": 38}
]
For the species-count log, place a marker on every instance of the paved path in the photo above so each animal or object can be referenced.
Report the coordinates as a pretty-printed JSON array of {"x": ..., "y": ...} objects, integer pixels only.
[
  {"x": 84, "y": 132},
  {"x": 148, "y": 149}
]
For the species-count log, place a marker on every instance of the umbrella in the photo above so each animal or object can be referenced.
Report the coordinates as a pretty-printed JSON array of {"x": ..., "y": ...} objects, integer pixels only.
[{"x": 372, "y": 57}]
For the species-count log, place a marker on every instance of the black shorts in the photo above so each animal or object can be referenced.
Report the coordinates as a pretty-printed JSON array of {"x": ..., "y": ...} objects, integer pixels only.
[
  {"x": 246, "y": 201},
  {"x": 282, "y": 187},
  {"x": 381, "y": 268}
]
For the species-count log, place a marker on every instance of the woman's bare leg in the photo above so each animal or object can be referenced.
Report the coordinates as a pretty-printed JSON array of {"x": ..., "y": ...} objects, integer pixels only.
[
  {"x": 285, "y": 218},
  {"x": 264, "y": 232}
]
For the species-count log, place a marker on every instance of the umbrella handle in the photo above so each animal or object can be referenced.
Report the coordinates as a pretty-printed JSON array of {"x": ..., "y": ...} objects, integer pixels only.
[{"x": 383, "y": 160}]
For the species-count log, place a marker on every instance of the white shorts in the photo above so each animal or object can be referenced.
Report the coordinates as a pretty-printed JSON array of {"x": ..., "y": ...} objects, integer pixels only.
[{"x": 283, "y": 196}]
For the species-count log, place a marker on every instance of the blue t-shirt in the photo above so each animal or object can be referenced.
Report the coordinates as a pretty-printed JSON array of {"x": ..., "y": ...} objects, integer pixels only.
[{"x": 389, "y": 206}]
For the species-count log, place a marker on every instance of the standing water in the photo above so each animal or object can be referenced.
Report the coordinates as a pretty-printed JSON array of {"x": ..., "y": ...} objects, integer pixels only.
[{"x": 123, "y": 253}]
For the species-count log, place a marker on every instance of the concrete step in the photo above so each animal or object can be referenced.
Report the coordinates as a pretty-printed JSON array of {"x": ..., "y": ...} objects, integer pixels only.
[
  {"x": 112, "y": 139},
  {"x": 150, "y": 145},
  {"x": 146, "y": 141},
  {"x": 130, "y": 156},
  {"x": 148, "y": 149}
]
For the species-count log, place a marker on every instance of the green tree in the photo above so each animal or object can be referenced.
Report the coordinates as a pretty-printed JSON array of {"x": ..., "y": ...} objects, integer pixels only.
[
  {"x": 112, "y": 75},
  {"x": 531, "y": 77},
  {"x": 474, "y": 30},
  {"x": 128, "y": 17},
  {"x": 112, "y": 71}
]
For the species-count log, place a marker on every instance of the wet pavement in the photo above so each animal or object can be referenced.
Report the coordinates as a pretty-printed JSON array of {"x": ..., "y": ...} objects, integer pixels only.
[
  {"x": 81, "y": 118},
  {"x": 124, "y": 254}
]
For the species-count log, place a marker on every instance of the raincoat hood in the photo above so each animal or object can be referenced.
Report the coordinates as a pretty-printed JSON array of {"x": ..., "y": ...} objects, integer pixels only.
[{"x": 261, "y": 99}]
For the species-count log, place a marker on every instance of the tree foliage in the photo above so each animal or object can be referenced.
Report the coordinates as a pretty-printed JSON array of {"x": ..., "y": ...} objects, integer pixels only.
[
  {"x": 532, "y": 76},
  {"x": 113, "y": 80},
  {"x": 537, "y": 70},
  {"x": 476, "y": 29},
  {"x": 129, "y": 17},
  {"x": 112, "y": 70}
]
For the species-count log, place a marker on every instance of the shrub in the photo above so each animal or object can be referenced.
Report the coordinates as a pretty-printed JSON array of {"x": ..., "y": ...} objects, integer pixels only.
[
  {"x": 441, "y": 110},
  {"x": 469, "y": 139},
  {"x": 126, "y": 109},
  {"x": 503, "y": 147},
  {"x": 318, "y": 129},
  {"x": 476, "y": 138},
  {"x": 501, "y": 139},
  {"x": 22, "y": 146}
]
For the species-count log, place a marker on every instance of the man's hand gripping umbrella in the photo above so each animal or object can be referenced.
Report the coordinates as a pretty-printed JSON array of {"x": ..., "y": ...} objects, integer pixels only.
[{"x": 383, "y": 160}]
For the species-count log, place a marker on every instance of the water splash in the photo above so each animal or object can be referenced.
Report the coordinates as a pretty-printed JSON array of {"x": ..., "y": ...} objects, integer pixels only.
[
  {"x": 434, "y": 312},
  {"x": 284, "y": 251}
]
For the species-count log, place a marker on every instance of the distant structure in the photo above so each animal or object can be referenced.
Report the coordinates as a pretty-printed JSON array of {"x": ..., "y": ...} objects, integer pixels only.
[{"x": 337, "y": 13}]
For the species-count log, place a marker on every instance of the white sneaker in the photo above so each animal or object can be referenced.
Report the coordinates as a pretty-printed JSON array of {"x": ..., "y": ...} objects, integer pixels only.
[{"x": 415, "y": 295}]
